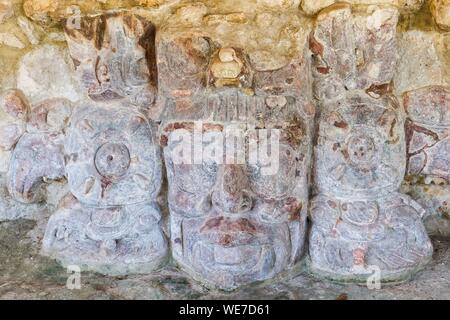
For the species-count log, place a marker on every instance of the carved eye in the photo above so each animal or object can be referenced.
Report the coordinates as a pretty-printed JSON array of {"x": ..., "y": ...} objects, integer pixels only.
[
  {"x": 195, "y": 178},
  {"x": 277, "y": 178}
]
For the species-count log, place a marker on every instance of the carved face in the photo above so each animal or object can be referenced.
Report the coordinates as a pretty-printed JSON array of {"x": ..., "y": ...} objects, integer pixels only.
[
  {"x": 111, "y": 158},
  {"x": 236, "y": 223},
  {"x": 360, "y": 150},
  {"x": 114, "y": 56}
]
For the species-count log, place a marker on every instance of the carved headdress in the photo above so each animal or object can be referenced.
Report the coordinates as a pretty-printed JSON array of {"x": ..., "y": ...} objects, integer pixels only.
[{"x": 114, "y": 55}]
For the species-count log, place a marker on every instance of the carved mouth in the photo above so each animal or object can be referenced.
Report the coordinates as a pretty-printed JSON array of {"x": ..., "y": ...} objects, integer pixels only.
[
  {"x": 239, "y": 260},
  {"x": 230, "y": 239}
]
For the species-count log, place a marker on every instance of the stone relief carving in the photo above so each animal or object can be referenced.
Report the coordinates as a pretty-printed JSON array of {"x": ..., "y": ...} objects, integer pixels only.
[
  {"x": 24, "y": 180},
  {"x": 33, "y": 135},
  {"x": 428, "y": 143},
  {"x": 360, "y": 149},
  {"x": 221, "y": 214},
  {"x": 230, "y": 224},
  {"x": 14, "y": 112},
  {"x": 114, "y": 55},
  {"x": 354, "y": 51},
  {"x": 193, "y": 60},
  {"x": 111, "y": 158},
  {"x": 110, "y": 221},
  {"x": 427, "y": 131},
  {"x": 351, "y": 237},
  {"x": 359, "y": 219}
]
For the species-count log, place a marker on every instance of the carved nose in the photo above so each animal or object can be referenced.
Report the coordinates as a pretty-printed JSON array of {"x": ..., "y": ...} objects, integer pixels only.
[{"x": 231, "y": 194}]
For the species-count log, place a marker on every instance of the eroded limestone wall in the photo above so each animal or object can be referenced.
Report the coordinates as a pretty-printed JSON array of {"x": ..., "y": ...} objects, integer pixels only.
[{"x": 69, "y": 68}]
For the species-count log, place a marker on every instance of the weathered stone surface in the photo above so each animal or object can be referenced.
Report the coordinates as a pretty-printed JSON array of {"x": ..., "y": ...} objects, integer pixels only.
[
  {"x": 314, "y": 6},
  {"x": 434, "y": 198},
  {"x": 354, "y": 51},
  {"x": 45, "y": 73},
  {"x": 231, "y": 223},
  {"x": 421, "y": 61},
  {"x": 53, "y": 11},
  {"x": 363, "y": 222},
  {"x": 441, "y": 12},
  {"x": 279, "y": 4},
  {"x": 25, "y": 274},
  {"x": 360, "y": 223},
  {"x": 224, "y": 67},
  {"x": 6, "y": 10},
  {"x": 111, "y": 158},
  {"x": 222, "y": 214},
  {"x": 30, "y": 155},
  {"x": 111, "y": 222},
  {"x": 40, "y": 8},
  {"x": 428, "y": 131},
  {"x": 37, "y": 158},
  {"x": 50, "y": 115},
  {"x": 14, "y": 112},
  {"x": 191, "y": 61},
  {"x": 428, "y": 141},
  {"x": 11, "y": 40},
  {"x": 352, "y": 238},
  {"x": 360, "y": 150},
  {"x": 11, "y": 209},
  {"x": 114, "y": 56},
  {"x": 112, "y": 240},
  {"x": 28, "y": 29}
]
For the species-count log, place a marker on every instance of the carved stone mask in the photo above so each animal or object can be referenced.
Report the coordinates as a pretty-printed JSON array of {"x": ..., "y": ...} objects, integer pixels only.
[{"x": 231, "y": 222}]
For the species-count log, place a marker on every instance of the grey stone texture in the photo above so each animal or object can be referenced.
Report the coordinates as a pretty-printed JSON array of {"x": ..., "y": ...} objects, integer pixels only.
[
  {"x": 360, "y": 222},
  {"x": 428, "y": 153},
  {"x": 354, "y": 97},
  {"x": 230, "y": 223}
]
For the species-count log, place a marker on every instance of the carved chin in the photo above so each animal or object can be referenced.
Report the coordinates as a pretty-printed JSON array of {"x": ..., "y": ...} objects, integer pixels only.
[
  {"x": 237, "y": 265},
  {"x": 239, "y": 259}
]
